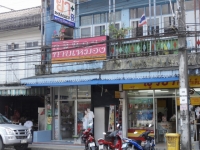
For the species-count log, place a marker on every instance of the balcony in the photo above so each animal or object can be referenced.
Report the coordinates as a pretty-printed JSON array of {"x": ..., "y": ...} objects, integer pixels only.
[{"x": 140, "y": 48}]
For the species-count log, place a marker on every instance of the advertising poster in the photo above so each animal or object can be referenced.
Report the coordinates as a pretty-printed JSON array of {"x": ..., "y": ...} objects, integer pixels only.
[{"x": 111, "y": 125}]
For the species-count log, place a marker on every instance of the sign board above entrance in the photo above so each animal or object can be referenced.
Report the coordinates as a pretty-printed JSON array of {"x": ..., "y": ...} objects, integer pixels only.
[
  {"x": 194, "y": 82},
  {"x": 79, "y": 50},
  {"x": 63, "y": 12}
]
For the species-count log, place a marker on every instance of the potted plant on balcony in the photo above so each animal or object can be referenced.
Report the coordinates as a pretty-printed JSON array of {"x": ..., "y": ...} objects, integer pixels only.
[{"x": 118, "y": 34}]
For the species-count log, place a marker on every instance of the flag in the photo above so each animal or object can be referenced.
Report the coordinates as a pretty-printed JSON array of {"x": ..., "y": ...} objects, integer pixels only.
[{"x": 142, "y": 20}]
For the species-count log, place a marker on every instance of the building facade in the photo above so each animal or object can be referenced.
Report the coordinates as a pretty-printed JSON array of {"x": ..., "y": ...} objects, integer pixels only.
[
  {"x": 140, "y": 64},
  {"x": 20, "y": 42}
]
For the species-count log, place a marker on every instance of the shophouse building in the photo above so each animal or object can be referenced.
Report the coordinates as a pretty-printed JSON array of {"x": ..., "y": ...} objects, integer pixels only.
[
  {"x": 134, "y": 74},
  {"x": 20, "y": 42}
]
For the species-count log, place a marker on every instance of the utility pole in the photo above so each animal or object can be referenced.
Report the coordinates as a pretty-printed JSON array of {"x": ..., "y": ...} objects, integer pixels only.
[{"x": 185, "y": 138}]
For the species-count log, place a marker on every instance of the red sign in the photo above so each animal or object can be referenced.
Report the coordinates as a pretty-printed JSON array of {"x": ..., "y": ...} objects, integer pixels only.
[{"x": 79, "y": 50}]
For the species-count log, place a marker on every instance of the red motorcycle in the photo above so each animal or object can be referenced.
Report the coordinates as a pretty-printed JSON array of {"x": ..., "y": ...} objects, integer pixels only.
[
  {"x": 88, "y": 139},
  {"x": 113, "y": 141}
]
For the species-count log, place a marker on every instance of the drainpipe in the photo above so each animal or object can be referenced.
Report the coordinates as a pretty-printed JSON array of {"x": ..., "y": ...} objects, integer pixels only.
[
  {"x": 155, "y": 26},
  {"x": 150, "y": 24},
  {"x": 195, "y": 27}
]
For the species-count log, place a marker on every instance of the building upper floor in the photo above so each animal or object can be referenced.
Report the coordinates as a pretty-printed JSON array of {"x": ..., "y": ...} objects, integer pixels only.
[{"x": 20, "y": 19}]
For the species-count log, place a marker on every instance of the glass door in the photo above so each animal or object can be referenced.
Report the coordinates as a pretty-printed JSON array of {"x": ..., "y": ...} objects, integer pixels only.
[{"x": 67, "y": 119}]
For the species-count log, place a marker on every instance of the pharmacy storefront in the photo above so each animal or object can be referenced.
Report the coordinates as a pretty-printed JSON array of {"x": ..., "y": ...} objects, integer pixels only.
[{"x": 157, "y": 105}]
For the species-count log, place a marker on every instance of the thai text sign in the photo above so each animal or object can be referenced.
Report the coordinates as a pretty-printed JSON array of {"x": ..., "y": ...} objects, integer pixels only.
[
  {"x": 63, "y": 12},
  {"x": 79, "y": 50},
  {"x": 194, "y": 81}
]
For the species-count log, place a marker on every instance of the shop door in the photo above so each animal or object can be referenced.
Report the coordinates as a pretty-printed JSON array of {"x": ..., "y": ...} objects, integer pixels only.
[
  {"x": 67, "y": 111},
  {"x": 164, "y": 118}
]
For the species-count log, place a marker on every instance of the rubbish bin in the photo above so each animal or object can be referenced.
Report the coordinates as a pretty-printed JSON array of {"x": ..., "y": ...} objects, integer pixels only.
[{"x": 173, "y": 141}]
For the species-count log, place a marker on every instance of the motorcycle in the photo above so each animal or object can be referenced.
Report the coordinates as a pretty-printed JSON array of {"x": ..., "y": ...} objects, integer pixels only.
[
  {"x": 130, "y": 144},
  {"x": 88, "y": 139},
  {"x": 113, "y": 142}
]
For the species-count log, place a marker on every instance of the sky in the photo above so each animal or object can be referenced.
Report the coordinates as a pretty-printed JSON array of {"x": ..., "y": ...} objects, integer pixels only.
[{"x": 18, "y": 4}]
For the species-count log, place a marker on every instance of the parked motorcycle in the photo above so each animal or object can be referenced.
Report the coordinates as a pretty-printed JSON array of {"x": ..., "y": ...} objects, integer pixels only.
[
  {"x": 88, "y": 139},
  {"x": 113, "y": 141},
  {"x": 130, "y": 144}
]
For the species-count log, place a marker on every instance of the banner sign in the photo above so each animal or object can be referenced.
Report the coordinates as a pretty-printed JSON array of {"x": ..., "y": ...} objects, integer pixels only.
[
  {"x": 79, "y": 50},
  {"x": 63, "y": 12},
  {"x": 194, "y": 81}
]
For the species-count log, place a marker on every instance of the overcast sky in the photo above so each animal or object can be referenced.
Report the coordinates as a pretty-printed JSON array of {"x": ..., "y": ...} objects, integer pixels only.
[{"x": 18, "y": 4}]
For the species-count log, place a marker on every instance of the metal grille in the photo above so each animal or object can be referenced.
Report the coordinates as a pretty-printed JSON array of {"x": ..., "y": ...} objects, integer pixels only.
[
  {"x": 21, "y": 137},
  {"x": 20, "y": 132}
]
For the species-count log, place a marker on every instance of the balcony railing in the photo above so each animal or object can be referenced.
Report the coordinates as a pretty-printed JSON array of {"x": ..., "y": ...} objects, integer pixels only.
[{"x": 136, "y": 48}]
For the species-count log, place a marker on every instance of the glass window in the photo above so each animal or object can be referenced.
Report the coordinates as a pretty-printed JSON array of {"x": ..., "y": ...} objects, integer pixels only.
[
  {"x": 136, "y": 31},
  {"x": 86, "y": 20},
  {"x": 35, "y": 44},
  {"x": 189, "y": 5},
  {"x": 68, "y": 93},
  {"x": 84, "y": 92},
  {"x": 81, "y": 115},
  {"x": 132, "y": 13},
  {"x": 16, "y": 46},
  {"x": 118, "y": 16},
  {"x": 151, "y": 30},
  {"x": 165, "y": 9},
  {"x": 140, "y": 93},
  {"x": 97, "y": 18},
  {"x": 140, "y": 112},
  {"x": 9, "y": 47},
  {"x": 158, "y": 7},
  {"x": 165, "y": 92},
  {"x": 99, "y": 30},
  {"x": 85, "y": 32},
  {"x": 29, "y": 44},
  {"x": 100, "y": 18},
  {"x": 67, "y": 119},
  {"x": 168, "y": 23}
]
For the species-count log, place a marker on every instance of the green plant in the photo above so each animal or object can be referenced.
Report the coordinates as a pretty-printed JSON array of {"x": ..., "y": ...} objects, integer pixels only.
[{"x": 116, "y": 33}]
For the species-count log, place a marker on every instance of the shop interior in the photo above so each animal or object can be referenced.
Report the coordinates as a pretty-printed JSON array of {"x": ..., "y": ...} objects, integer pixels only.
[
  {"x": 69, "y": 101},
  {"x": 20, "y": 108},
  {"x": 144, "y": 105}
]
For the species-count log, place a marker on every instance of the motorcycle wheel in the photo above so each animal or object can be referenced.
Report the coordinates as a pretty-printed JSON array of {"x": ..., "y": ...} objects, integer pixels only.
[{"x": 92, "y": 148}]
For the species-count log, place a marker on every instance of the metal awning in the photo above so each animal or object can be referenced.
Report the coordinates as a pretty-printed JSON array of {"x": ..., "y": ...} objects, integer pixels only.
[{"x": 94, "y": 78}]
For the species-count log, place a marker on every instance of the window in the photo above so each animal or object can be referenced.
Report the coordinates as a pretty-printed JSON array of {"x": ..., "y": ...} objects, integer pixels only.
[
  {"x": 99, "y": 30},
  {"x": 13, "y": 46},
  {"x": 151, "y": 29},
  {"x": 31, "y": 44},
  {"x": 117, "y": 16},
  {"x": 158, "y": 8},
  {"x": 35, "y": 44},
  {"x": 189, "y": 5},
  {"x": 136, "y": 12},
  {"x": 86, "y": 20},
  {"x": 169, "y": 23},
  {"x": 117, "y": 26},
  {"x": 100, "y": 18},
  {"x": 136, "y": 31},
  {"x": 165, "y": 9},
  {"x": 85, "y": 32}
]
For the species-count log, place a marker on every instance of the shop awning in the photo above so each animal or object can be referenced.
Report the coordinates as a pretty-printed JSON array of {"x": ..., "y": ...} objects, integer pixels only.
[
  {"x": 95, "y": 78},
  {"x": 21, "y": 91}
]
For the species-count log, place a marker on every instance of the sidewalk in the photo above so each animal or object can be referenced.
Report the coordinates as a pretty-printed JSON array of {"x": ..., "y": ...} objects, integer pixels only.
[{"x": 53, "y": 146}]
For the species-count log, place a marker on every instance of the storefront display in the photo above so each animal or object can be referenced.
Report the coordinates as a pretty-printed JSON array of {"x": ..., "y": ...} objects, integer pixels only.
[{"x": 67, "y": 106}]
